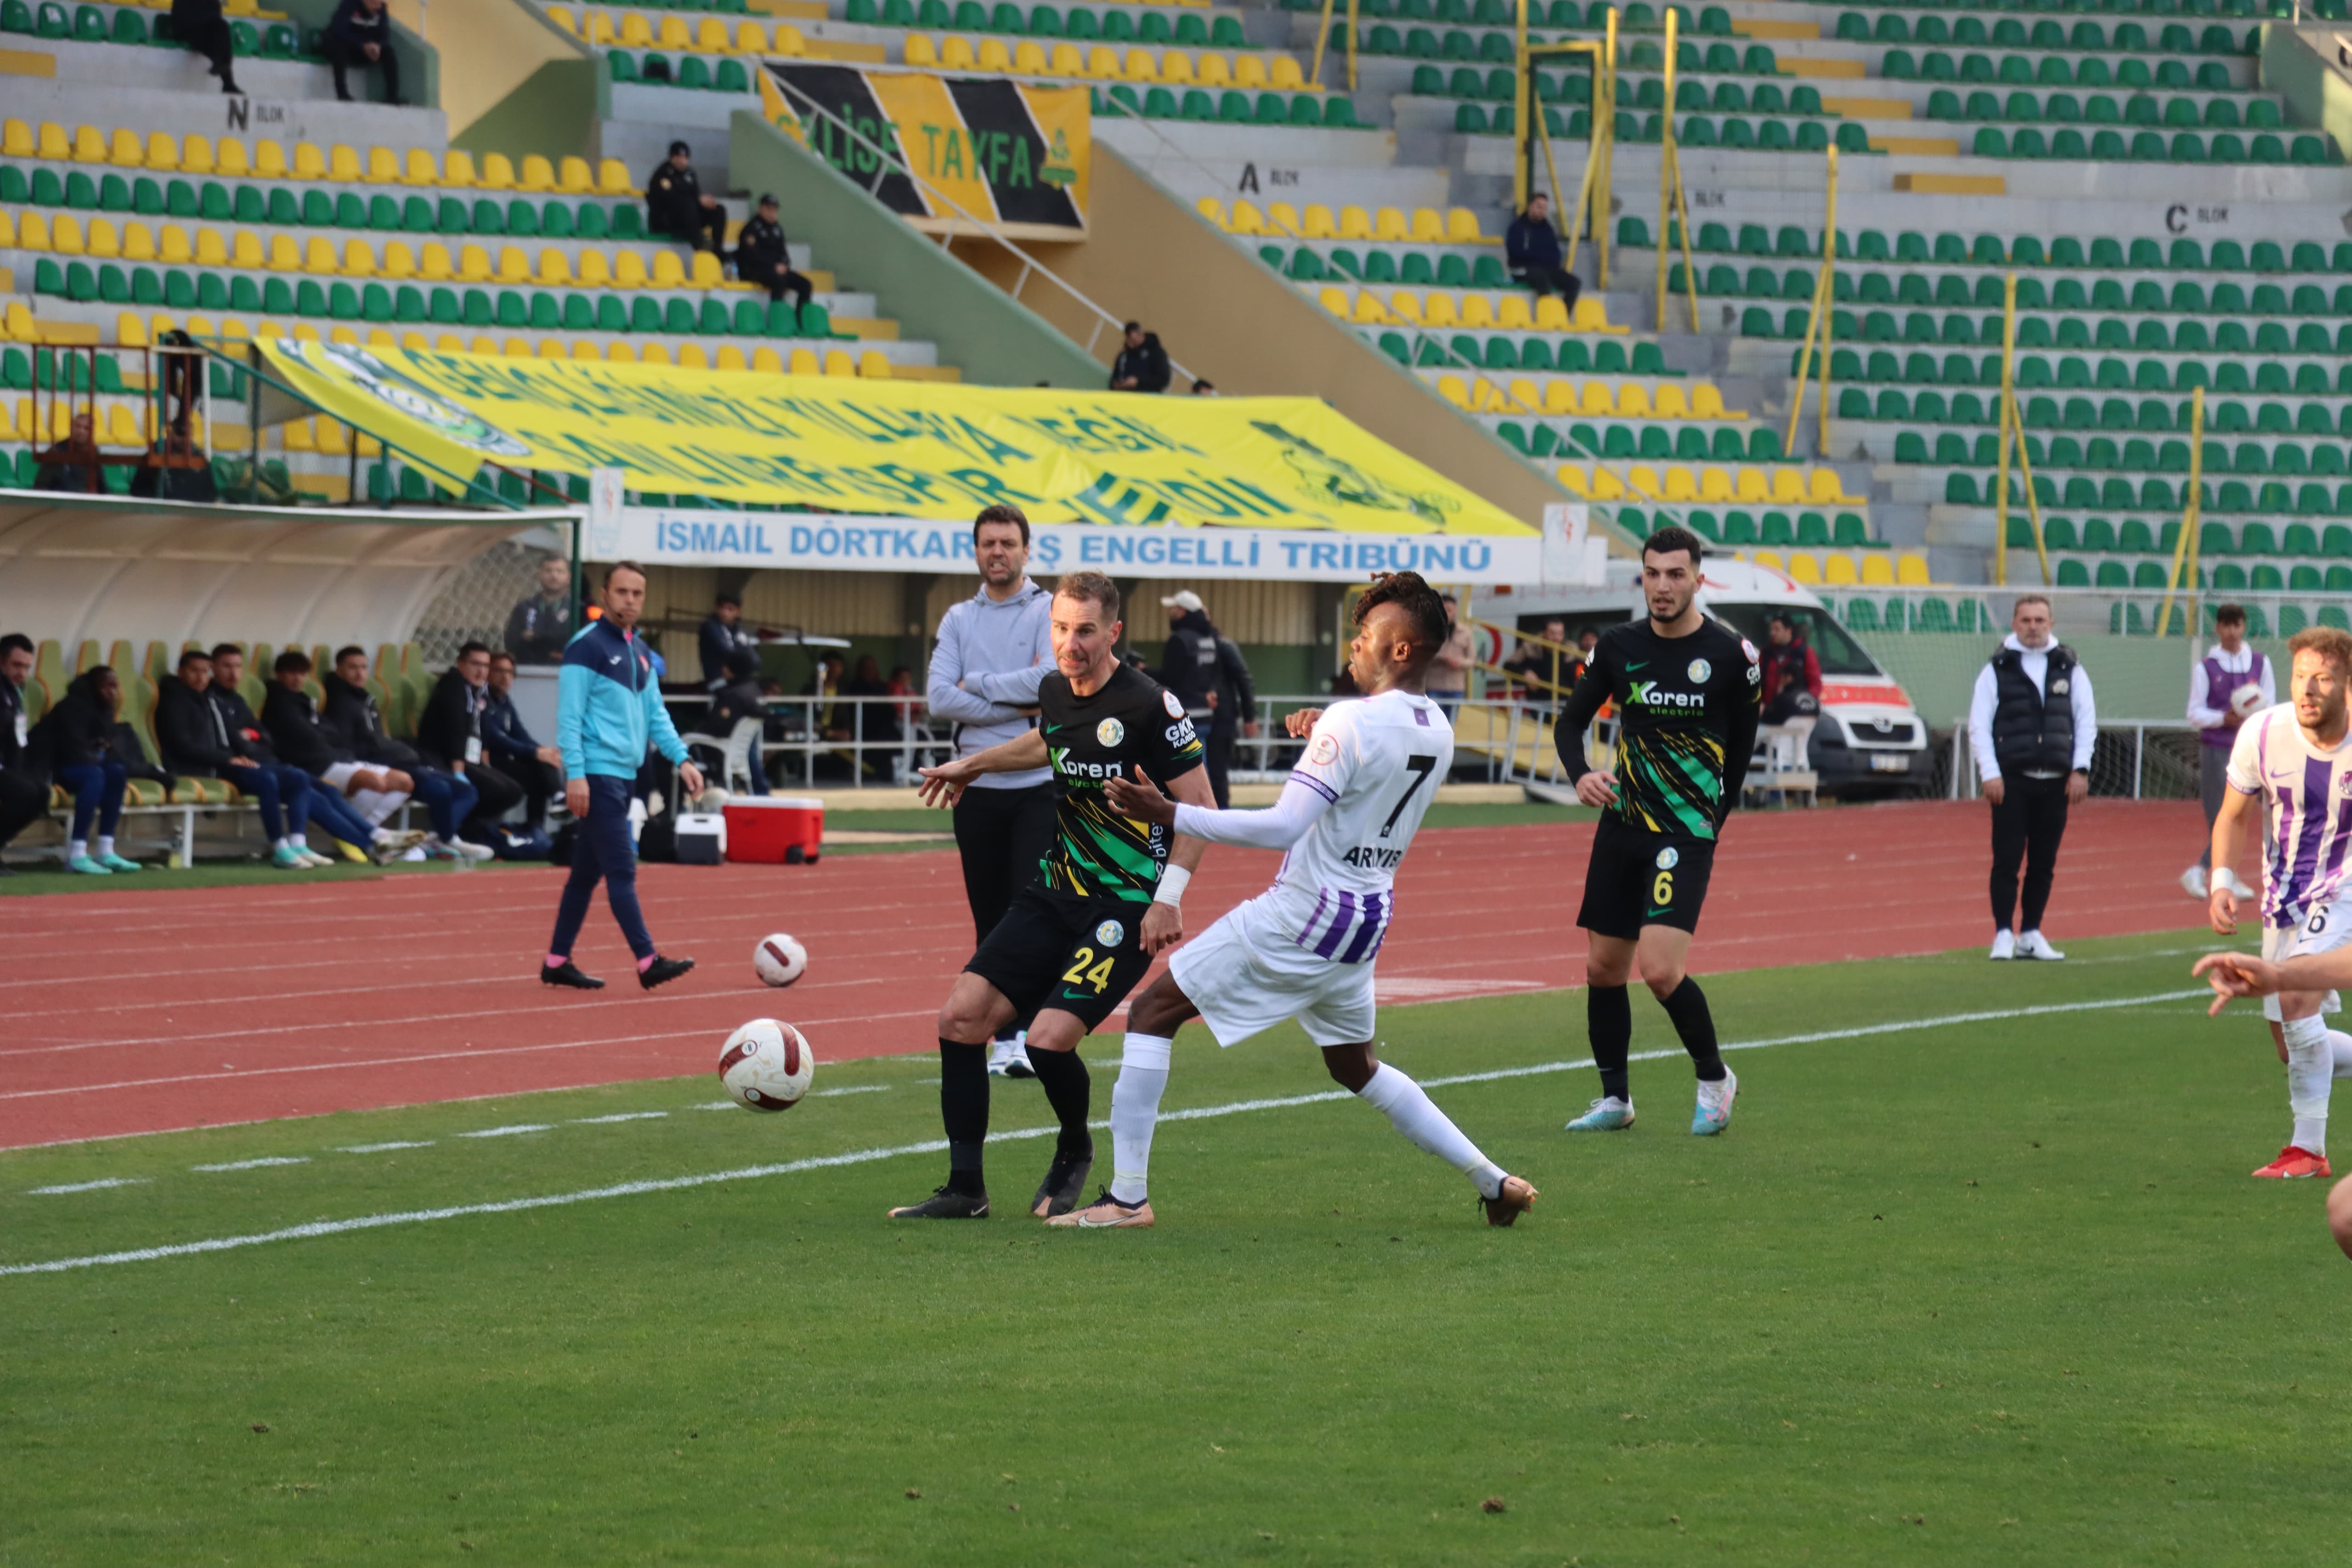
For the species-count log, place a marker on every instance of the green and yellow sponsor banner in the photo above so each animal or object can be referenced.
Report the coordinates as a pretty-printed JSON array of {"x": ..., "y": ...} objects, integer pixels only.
[
  {"x": 1012, "y": 152},
  {"x": 909, "y": 449}
]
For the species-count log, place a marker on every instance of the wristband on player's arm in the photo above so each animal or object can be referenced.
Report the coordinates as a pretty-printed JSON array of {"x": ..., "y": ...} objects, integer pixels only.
[{"x": 1170, "y": 891}]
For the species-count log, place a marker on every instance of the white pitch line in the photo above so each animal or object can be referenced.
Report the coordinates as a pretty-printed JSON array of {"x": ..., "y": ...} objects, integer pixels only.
[
  {"x": 102, "y": 1182},
  {"x": 509, "y": 1131},
  {"x": 256, "y": 1164},
  {"x": 619, "y": 1116},
  {"x": 387, "y": 1148},
  {"x": 869, "y": 1156},
  {"x": 852, "y": 1088}
]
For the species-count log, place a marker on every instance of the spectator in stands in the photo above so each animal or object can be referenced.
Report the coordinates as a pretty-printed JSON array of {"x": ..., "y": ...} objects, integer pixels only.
[
  {"x": 450, "y": 733},
  {"x": 737, "y": 698},
  {"x": 204, "y": 730},
  {"x": 676, "y": 208},
  {"x": 1449, "y": 673},
  {"x": 300, "y": 742},
  {"x": 723, "y": 637},
  {"x": 71, "y": 464},
  {"x": 1793, "y": 673},
  {"x": 71, "y": 746},
  {"x": 761, "y": 258},
  {"x": 1141, "y": 364},
  {"x": 361, "y": 34},
  {"x": 1551, "y": 671},
  {"x": 201, "y": 28},
  {"x": 540, "y": 625},
  {"x": 1531, "y": 247},
  {"x": 354, "y": 720},
  {"x": 538, "y": 769},
  {"x": 24, "y": 800}
]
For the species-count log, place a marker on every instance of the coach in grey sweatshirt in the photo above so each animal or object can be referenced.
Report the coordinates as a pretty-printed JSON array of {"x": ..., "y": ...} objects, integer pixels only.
[{"x": 992, "y": 650}]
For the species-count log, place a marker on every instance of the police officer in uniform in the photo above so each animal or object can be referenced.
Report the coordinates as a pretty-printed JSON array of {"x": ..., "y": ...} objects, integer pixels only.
[
  {"x": 2031, "y": 727},
  {"x": 761, "y": 258},
  {"x": 676, "y": 208}
]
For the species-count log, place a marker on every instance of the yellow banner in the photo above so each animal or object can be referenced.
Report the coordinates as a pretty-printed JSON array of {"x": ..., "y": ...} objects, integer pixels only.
[{"x": 909, "y": 449}]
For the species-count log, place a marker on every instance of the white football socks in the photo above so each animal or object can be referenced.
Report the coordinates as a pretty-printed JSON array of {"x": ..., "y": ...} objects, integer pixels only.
[
  {"x": 376, "y": 805},
  {"x": 105, "y": 845},
  {"x": 2310, "y": 1066},
  {"x": 76, "y": 848},
  {"x": 1134, "y": 1110},
  {"x": 2339, "y": 1050},
  {"x": 1411, "y": 1113}
]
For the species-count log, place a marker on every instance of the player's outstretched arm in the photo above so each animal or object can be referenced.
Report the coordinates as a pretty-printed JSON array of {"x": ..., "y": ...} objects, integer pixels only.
[
  {"x": 1277, "y": 826},
  {"x": 1163, "y": 922},
  {"x": 941, "y": 785}
]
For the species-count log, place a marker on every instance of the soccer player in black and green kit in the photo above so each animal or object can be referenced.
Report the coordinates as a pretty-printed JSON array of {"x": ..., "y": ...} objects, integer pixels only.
[
  {"x": 1107, "y": 896},
  {"x": 1687, "y": 692}
]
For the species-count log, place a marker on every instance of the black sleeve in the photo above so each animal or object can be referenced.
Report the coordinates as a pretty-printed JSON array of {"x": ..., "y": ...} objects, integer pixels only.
[
  {"x": 1584, "y": 705},
  {"x": 185, "y": 736},
  {"x": 1156, "y": 372},
  {"x": 1746, "y": 678},
  {"x": 518, "y": 631},
  {"x": 1237, "y": 670},
  {"x": 1179, "y": 667},
  {"x": 441, "y": 733},
  {"x": 1172, "y": 746}
]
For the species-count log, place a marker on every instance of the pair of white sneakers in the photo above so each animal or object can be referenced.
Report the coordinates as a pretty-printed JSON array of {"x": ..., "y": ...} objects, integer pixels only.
[
  {"x": 2023, "y": 944},
  {"x": 2193, "y": 882}
]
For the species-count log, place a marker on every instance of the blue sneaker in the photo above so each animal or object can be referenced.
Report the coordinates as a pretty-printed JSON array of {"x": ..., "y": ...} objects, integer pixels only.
[
  {"x": 86, "y": 867},
  {"x": 1608, "y": 1115},
  {"x": 1713, "y": 1112}
]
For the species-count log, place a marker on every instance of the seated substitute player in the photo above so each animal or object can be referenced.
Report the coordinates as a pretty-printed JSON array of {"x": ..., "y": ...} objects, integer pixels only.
[
  {"x": 1074, "y": 943},
  {"x": 1687, "y": 690},
  {"x": 2293, "y": 763},
  {"x": 1304, "y": 948}
]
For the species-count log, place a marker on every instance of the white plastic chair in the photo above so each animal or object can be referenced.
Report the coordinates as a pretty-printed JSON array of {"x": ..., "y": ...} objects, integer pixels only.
[{"x": 734, "y": 751}]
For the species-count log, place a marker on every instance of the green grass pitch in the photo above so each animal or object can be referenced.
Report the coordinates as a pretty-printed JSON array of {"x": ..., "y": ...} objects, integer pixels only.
[{"x": 1995, "y": 1292}]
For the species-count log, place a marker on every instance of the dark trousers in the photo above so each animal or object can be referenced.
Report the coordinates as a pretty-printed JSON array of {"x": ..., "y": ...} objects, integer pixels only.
[
  {"x": 1556, "y": 281},
  {"x": 448, "y": 799},
  {"x": 1219, "y": 748},
  {"x": 2026, "y": 826},
  {"x": 495, "y": 795},
  {"x": 283, "y": 793},
  {"x": 342, "y": 57},
  {"x": 2213, "y": 782},
  {"x": 602, "y": 850},
  {"x": 1002, "y": 834},
  {"x": 706, "y": 230},
  {"x": 331, "y": 813},
  {"x": 97, "y": 793},
  {"x": 23, "y": 802},
  {"x": 213, "y": 40},
  {"x": 537, "y": 782},
  {"x": 779, "y": 279}
]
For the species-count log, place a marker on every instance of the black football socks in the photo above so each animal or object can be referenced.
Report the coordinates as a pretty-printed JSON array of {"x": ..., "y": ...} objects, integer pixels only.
[
  {"x": 1688, "y": 1008},
  {"x": 1610, "y": 1018},
  {"x": 963, "y": 1107},
  {"x": 1069, "y": 1090}
]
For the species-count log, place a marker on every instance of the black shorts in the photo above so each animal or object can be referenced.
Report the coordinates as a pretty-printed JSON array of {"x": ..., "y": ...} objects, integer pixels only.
[
  {"x": 1637, "y": 878},
  {"x": 1081, "y": 956}
]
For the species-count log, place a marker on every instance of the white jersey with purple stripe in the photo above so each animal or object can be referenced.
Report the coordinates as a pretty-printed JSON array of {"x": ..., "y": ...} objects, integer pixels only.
[
  {"x": 1379, "y": 761},
  {"x": 2308, "y": 795}
]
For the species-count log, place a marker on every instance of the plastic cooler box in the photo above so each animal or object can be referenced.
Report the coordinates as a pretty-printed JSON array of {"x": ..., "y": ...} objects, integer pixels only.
[{"x": 775, "y": 829}]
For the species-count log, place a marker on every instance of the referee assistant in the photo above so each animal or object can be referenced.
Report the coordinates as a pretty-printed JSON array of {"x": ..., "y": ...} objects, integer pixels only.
[{"x": 992, "y": 650}]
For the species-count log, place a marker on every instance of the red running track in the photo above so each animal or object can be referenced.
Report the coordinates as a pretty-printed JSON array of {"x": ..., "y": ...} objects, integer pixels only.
[{"x": 138, "y": 1012}]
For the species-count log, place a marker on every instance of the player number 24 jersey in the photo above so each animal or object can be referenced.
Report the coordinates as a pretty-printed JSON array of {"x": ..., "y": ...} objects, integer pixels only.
[{"x": 1129, "y": 724}]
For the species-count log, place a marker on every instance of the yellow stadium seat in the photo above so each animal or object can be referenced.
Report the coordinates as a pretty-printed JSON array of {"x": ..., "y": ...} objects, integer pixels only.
[
  {"x": 33, "y": 235},
  {"x": 514, "y": 265},
  {"x": 457, "y": 170},
  {"x": 551, "y": 348},
  {"x": 730, "y": 358},
  {"x": 1462, "y": 227},
  {"x": 1067, "y": 61},
  {"x": 629, "y": 270},
  {"x": 705, "y": 271},
  {"x": 554, "y": 269},
  {"x": 595, "y": 272},
  {"x": 64, "y": 236},
  {"x": 15, "y": 139},
  {"x": 399, "y": 262},
  {"x": 1249, "y": 73},
  {"x": 1485, "y": 398},
  {"x": 1282, "y": 218},
  {"x": 766, "y": 360},
  {"x": 1551, "y": 315},
  {"x": 1140, "y": 67},
  {"x": 172, "y": 245},
  {"x": 620, "y": 353},
  {"x": 538, "y": 175},
  {"x": 432, "y": 262},
  {"x": 561, "y": 16},
  {"x": 1334, "y": 300},
  {"x": 1559, "y": 397},
  {"x": 1716, "y": 485},
  {"x": 994, "y": 58},
  {"x": 1102, "y": 63},
  {"x": 297, "y": 437},
  {"x": 1750, "y": 485},
  {"x": 1511, "y": 314},
  {"x": 1438, "y": 310},
  {"x": 1571, "y": 479},
  {"x": 672, "y": 34},
  {"x": 838, "y": 362},
  {"x": 1283, "y": 75},
  {"x": 268, "y": 159},
  {"x": 196, "y": 154},
  {"x": 1477, "y": 311},
  {"x": 1212, "y": 209},
  {"x": 138, "y": 244},
  {"x": 1838, "y": 571},
  {"x": 598, "y": 29},
  {"x": 498, "y": 173},
  {"x": 1176, "y": 69},
  {"x": 1788, "y": 485},
  {"x": 359, "y": 259},
  {"x": 1525, "y": 397},
  {"x": 104, "y": 240},
  {"x": 691, "y": 357},
  {"x": 751, "y": 38},
  {"x": 636, "y": 30},
  {"x": 668, "y": 271},
  {"x": 587, "y": 348},
  {"x": 1029, "y": 59},
  {"x": 612, "y": 178},
  {"x": 1451, "y": 388},
  {"x": 122, "y": 427},
  {"x": 1405, "y": 306},
  {"x": 309, "y": 162},
  {"x": 711, "y": 37},
  {"x": 805, "y": 362},
  {"x": 1669, "y": 403},
  {"x": 1632, "y": 402},
  {"x": 54, "y": 143},
  {"x": 874, "y": 365},
  {"x": 1388, "y": 223},
  {"x": 573, "y": 178},
  {"x": 125, "y": 150},
  {"x": 1214, "y": 71},
  {"x": 1823, "y": 487},
  {"x": 160, "y": 152},
  {"x": 1805, "y": 569},
  {"x": 285, "y": 253},
  {"x": 1705, "y": 401},
  {"x": 1606, "y": 485},
  {"x": 383, "y": 166},
  {"x": 1682, "y": 485},
  {"x": 474, "y": 263},
  {"x": 1355, "y": 223},
  {"x": 1318, "y": 224},
  {"x": 232, "y": 161},
  {"x": 245, "y": 252},
  {"x": 1911, "y": 571},
  {"x": 955, "y": 53},
  {"x": 342, "y": 164},
  {"x": 1247, "y": 219},
  {"x": 1767, "y": 558},
  {"x": 88, "y": 144},
  {"x": 1591, "y": 316},
  {"x": 1368, "y": 310},
  {"x": 1877, "y": 571}
]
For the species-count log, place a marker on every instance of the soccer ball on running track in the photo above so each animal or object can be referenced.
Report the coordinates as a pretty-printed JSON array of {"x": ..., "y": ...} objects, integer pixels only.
[
  {"x": 780, "y": 959},
  {"x": 767, "y": 1064}
]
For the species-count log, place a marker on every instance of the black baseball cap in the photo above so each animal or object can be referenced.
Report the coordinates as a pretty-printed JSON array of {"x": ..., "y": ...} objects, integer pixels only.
[
  {"x": 677, "y": 147},
  {"x": 767, "y": 199}
]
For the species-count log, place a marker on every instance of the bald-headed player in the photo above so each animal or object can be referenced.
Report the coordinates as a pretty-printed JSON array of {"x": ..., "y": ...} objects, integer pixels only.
[{"x": 1304, "y": 948}]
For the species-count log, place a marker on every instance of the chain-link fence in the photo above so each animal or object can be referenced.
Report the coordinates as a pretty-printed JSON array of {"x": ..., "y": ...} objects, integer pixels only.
[{"x": 474, "y": 604}]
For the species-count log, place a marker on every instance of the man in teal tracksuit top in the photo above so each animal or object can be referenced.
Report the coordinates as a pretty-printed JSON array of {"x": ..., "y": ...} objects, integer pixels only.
[{"x": 608, "y": 706}]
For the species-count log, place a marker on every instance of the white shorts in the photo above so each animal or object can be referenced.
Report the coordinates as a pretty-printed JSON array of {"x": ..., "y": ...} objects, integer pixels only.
[
  {"x": 337, "y": 775},
  {"x": 2323, "y": 930},
  {"x": 1244, "y": 986}
]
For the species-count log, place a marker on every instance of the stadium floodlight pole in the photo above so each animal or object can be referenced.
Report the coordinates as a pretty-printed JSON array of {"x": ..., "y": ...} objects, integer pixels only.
[
  {"x": 1817, "y": 325},
  {"x": 2184, "y": 548},
  {"x": 1674, "y": 202}
]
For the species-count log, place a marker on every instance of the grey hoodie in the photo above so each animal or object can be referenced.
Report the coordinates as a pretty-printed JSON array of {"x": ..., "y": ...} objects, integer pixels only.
[{"x": 1003, "y": 651}]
